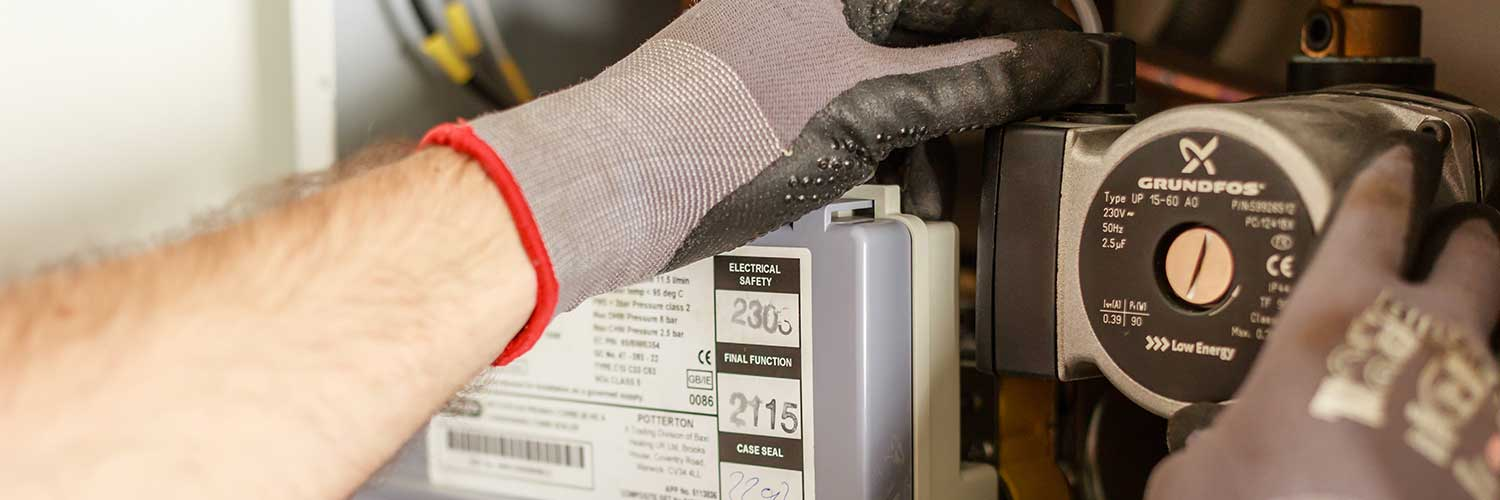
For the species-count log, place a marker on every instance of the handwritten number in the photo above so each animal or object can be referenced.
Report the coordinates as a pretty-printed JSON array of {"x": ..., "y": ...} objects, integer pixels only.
[
  {"x": 770, "y": 494},
  {"x": 737, "y": 400},
  {"x": 741, "y": 403},
  {"x": 738, "y": 477},
  {"x": 749, "y": 486},
  {"x": 770, "y": 414},
  {"x": 787, "y": 415},
  {"x": 757, "y": 315},
  {"x": 739, "y": 312}
]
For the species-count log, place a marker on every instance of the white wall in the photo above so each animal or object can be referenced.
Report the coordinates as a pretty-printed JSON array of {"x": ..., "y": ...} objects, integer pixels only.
[{"x": 120, "y": 120}]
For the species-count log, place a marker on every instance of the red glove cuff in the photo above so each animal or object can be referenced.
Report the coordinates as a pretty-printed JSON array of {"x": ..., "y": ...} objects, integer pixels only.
[{"x": 460, "y": 137}]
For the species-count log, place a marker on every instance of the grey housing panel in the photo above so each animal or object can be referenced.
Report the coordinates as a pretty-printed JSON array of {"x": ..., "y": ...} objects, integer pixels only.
[{"x": 861, "y": 350}]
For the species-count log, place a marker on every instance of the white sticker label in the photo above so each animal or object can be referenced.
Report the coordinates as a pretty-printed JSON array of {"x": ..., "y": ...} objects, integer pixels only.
[{"x": 694, "y": 385}]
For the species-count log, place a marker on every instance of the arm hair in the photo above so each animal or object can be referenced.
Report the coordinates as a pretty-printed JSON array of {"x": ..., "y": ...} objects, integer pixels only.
[{"x": 285, "y": 355}]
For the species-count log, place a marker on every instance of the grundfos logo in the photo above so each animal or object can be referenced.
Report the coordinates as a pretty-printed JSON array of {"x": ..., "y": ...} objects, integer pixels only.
[{"x": 1199, "y": 157}]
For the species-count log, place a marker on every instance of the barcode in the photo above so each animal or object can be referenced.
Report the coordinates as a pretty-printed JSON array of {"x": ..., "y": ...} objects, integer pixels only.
[{"x": 564, "y": 454}]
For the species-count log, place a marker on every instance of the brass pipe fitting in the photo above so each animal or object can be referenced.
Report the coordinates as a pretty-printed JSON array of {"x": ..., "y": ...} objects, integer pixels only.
[{"x": 1343, "y": 28}]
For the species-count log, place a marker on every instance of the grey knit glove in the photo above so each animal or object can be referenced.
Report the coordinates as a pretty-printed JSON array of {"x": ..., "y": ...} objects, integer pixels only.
[
  {"x": 1378, "y": 382},
  {"x": 742, "y": 115}
]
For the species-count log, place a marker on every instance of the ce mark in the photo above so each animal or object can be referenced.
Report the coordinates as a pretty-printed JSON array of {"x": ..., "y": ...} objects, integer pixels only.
[
  {"x": 1281, "y": 266},
  {"x": 706, "y": 357}
]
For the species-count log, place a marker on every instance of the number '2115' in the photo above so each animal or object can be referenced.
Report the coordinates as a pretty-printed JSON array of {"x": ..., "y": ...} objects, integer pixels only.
[{"x": 741, "y": 403}]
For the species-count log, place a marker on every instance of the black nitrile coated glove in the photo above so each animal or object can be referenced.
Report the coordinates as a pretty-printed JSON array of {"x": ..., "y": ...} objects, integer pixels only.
[
  {"x": 743, "y": 115},
  {"x": 1378, "y": 381}
]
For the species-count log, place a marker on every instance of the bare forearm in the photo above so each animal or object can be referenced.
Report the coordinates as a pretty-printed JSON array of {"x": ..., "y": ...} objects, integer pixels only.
[{"x": 284, "y": 356}]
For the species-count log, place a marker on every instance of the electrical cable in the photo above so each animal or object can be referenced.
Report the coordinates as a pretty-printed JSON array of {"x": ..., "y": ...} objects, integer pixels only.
[
  {"x": 461, "y": 28},
  {"x": 423, "y": 19},
  {"x": 487, "y": 94},
  {"x": 448, "y": 56},
  {"x": 1088, "y": 16},
  {"x": 515, "y": 81}
]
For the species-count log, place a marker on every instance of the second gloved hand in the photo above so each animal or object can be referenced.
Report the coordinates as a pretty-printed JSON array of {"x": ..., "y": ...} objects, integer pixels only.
[
  {"x": 1377, "y": 381},
  {"x": 739, "y": 117}
]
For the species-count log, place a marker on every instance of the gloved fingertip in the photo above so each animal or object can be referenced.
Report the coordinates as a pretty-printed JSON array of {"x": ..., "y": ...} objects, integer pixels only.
[
  {"x": 1023, "y": 15},
  {"x": 1405, "y": 168},
  {"x": 872, "y": 20},
  {"x": 1485, "y": 217},
  {"x": 1485, "y": 229},
  {"x": 1419, "y": 156},
  {"x": 1066, "y": 66},
  {"x": 1470, "y": 229},
  {"x": 1393, "y": 165}
]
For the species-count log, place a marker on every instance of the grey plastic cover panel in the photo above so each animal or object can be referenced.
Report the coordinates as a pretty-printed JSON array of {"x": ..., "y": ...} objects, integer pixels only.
[{"x": 861, "y": 351}]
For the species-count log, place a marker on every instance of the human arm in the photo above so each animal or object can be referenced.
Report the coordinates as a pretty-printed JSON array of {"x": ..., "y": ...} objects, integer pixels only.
[{"x": 285, "y": 357}]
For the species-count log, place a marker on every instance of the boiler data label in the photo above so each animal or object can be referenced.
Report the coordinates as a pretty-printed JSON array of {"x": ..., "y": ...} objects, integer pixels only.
[{"x": 694, "y": 385}]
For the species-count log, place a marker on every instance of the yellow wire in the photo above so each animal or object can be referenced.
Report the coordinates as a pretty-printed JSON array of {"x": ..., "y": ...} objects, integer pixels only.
[
  {"x": 441, "y": 51},
  {"x": 510, "y": 72},
  {"x": 462, "y": 28},
  {"x": 514, "y": 80}
]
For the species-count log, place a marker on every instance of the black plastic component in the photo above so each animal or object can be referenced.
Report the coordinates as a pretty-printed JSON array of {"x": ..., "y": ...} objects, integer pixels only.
[
  {"x": 1122, "y": 444},
  {"x": 1016, "y": 323},
  {"x": 1484, "y": 127},
  {"x": 1190, "y": 419},
  {"x": 1117, "y": 81},
  {"x": 1307, "y": 73},
  {"x": 979, "y": 411},
  {"x": 1197, "y": 26}
]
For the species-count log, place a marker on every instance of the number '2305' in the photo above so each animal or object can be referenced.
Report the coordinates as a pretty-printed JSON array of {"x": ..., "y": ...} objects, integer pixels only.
[{"x": 758, "y": 316}]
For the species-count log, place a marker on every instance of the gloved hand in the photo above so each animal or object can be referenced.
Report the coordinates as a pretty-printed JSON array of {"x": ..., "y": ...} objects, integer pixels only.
[
  {"x": 741, "y": 116},
  {"x": 1378, "y": 381}
]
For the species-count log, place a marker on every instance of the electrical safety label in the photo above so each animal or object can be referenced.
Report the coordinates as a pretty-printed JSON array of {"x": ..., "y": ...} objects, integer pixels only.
[{"x": 693, "y": 385}]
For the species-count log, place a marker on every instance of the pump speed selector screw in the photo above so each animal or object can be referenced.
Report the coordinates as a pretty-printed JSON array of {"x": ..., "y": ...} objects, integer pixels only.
[{"x": 1199, "y": 266}]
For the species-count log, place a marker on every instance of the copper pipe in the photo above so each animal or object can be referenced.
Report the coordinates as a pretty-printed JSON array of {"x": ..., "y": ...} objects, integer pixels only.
[{"x": 1189, "y": 84}]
